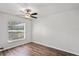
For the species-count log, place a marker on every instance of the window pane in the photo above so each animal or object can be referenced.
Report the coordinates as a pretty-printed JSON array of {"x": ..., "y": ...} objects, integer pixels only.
[
  {"x": 16, "y": 35},
  {"x": 16, "y": 30},
  {"x": 16, "y": 27}
]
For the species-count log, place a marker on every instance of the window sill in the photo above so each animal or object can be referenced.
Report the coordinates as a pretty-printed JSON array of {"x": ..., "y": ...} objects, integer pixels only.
[{"x": 9, "y": 41}]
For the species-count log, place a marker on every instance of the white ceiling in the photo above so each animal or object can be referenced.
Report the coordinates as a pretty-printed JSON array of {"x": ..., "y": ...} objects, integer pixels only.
[{"x": 43, "y": 9}]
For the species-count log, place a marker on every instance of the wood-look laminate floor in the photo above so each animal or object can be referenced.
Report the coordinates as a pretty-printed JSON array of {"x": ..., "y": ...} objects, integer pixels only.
[{"x": 33, "y": 49}]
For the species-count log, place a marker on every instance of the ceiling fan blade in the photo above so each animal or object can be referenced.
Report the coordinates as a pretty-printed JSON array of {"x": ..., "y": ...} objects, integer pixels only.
[
  {"x": 34, "y": 17},
  {"x": 34, "y": 13}
]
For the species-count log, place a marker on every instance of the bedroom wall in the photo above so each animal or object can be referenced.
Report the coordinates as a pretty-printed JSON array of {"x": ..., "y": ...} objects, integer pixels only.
[
  {"x": 4, "y": 18},
  {"x": 60, "y": 31}
]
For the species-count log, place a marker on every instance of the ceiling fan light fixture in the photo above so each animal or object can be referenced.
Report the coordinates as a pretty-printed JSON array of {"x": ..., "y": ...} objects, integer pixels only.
[
  {"x": 28, "y": 13},
  {"x": 27, "y": 16}
]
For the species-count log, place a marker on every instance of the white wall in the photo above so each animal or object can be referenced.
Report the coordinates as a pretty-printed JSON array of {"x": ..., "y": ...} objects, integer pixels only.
[
  {"x": 4, "y": 18},
  {"x": 60, "y": 30}
]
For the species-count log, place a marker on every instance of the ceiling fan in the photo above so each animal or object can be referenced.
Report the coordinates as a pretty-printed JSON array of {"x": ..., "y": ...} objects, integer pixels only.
[{"x": 28, "y": 14}]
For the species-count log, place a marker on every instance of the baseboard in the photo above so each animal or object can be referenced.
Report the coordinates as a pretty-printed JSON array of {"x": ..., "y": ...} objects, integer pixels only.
[
  {"x": 61, "y": 51},
  {"x": 14, "y": 46},
  {"x": 55, "y": 48}
]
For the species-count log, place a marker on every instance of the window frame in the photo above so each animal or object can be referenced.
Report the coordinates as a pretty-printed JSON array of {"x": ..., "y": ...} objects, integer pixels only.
[{"x": 24, "y": 31}]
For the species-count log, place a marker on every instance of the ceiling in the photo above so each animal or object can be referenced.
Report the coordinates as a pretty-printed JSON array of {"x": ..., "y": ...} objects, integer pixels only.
[{"x": 43, "y": 9}]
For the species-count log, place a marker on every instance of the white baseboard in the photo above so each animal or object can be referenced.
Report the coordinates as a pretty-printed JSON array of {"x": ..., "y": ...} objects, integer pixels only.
[
  {"x": 54, "y": 47},
  {"x": 14, "y": 46}
]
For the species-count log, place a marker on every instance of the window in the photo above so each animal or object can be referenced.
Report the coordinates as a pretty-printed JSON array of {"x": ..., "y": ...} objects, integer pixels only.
[{"x": 16, "y": 30}]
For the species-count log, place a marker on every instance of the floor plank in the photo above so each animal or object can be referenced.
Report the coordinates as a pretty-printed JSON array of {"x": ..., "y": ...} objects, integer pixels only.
[{"x": 34, "y": 49}]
